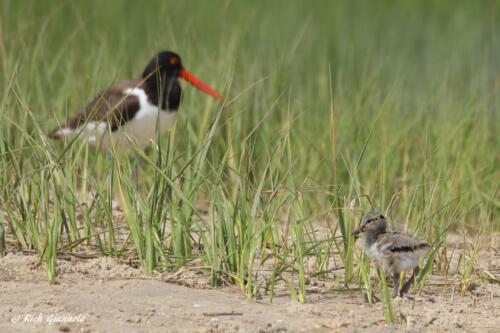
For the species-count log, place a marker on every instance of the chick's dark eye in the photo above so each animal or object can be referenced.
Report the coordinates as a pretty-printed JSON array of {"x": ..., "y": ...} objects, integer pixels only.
[{"x": 381, "y": 216}]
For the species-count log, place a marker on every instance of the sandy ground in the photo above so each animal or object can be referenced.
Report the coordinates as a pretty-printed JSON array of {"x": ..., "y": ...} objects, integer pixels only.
[{"x": 104, "y": 295}]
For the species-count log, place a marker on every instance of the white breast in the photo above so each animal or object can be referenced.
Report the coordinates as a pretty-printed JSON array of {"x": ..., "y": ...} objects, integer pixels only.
[{"x": 149, "y": 122}]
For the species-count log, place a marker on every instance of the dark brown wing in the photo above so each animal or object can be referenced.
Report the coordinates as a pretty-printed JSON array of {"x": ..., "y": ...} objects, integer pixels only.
[{"x": 113, "y": 106}]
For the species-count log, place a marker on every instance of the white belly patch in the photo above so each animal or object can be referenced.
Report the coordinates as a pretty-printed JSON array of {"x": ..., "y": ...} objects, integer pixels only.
[{"x": 143, "y": 127}]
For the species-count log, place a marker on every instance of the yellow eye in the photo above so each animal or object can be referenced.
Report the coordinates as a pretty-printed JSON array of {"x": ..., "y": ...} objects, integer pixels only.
[{"x": 174, "y": 61}]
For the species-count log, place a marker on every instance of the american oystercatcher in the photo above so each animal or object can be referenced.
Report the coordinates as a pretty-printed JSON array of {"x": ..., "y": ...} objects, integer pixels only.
[{"x": 130, "y": 112}]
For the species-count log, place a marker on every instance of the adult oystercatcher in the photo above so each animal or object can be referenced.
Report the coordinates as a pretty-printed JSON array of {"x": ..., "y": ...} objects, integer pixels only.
[{"x": 130, "y": 112}]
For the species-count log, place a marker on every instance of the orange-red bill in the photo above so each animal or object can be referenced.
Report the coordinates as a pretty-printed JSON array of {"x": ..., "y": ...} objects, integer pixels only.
[{"x": 186, "y": 75}]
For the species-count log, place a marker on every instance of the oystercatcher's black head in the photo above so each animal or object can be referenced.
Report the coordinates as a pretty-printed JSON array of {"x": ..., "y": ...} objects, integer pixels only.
[
  {"x": 167, "y": 63},
  {"x": 169, "y": 66}
]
